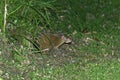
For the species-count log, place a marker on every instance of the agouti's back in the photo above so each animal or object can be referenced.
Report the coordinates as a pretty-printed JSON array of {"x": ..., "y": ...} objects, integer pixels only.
[{"x": 50, "y": 41}]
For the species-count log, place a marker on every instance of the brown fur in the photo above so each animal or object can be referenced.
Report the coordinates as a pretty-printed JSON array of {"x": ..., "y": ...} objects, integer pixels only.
[{"x": 50, "y": 41}]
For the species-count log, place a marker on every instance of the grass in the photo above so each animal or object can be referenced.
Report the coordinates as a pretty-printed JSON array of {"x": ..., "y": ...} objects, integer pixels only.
[{"x": 92, "y": 25}]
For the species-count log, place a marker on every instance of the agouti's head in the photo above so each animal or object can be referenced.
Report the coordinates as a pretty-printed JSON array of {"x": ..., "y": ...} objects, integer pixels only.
[{"x": 66, "y": 40}]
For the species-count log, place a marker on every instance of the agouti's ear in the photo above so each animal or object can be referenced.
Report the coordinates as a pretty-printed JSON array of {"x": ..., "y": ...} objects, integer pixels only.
[{"x": 66, "y": 40}]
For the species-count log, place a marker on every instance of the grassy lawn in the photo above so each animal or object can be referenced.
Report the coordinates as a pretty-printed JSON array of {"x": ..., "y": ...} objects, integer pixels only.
[{"x": 94, "y": 27}]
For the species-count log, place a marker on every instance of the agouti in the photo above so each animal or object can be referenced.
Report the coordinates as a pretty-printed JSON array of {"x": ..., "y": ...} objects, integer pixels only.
[{"x": 51, "y": 41}]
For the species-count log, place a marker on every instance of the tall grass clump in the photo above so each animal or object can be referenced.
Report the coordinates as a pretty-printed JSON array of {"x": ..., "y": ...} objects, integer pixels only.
[{"x": 29, "y": 15}]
